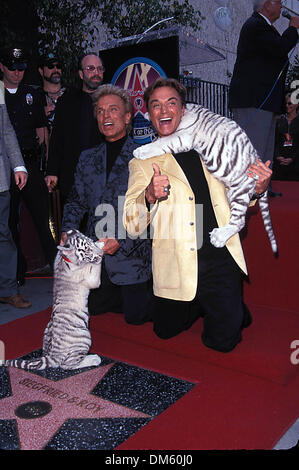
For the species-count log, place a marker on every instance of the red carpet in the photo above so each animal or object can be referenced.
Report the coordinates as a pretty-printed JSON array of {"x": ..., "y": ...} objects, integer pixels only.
[
  {"x": 245, "y": 399},
  {"x": 274, "y": 282},
  {"x": 264, "y": 353}
]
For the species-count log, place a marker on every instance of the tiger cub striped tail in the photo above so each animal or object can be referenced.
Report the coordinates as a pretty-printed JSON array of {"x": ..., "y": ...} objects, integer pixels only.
[
  {"x": 265, "y": 213},
  {"x": 39, "y": 363}
]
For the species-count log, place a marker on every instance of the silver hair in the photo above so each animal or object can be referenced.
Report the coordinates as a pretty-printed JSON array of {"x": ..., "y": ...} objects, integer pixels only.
[
  {"x": 258, "y": 4},
  {"x": 108, "y": 89}
]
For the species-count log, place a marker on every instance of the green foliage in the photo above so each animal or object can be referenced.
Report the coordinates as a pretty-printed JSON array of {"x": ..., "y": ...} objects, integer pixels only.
[
  {"x": 129, "y": 17},
  {"x": 70, "y": 27},
  {"x": 18, "y": 23}
]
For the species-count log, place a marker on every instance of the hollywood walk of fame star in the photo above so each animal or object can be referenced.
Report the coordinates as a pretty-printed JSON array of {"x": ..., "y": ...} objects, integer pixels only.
[{"x": 71, "y": 398}]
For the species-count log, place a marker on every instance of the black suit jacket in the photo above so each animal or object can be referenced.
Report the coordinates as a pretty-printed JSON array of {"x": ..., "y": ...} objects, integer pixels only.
[
  {"x": 102, "y": 200},
  {"x": 261, "y": 55},
  {"x": 74, "y": 130}
]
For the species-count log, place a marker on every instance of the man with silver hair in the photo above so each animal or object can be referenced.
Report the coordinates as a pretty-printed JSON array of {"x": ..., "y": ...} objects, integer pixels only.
[
  {"x": 258, "y": 4},
  {"x": 100, "y": 184},
  {"x": 257, "y": 87}
]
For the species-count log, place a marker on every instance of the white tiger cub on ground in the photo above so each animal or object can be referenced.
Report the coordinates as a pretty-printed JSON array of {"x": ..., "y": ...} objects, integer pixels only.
[
  {"x": 227, "y": 153},
  {"x": 67, "y": 339}
]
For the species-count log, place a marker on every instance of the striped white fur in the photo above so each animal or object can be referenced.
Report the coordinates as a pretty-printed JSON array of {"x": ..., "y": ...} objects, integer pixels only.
[
  {"x": 227, "y": 153},
  {"x": 67, "y": 339}
]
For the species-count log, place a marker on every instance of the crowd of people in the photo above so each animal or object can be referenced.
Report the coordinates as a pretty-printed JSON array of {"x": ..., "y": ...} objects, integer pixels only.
[
  {"x": 80, "y": 141},
  {"x": 286, "y": 149}
]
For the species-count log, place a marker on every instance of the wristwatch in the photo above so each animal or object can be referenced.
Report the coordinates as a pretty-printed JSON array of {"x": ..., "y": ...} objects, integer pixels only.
[{"x": 257, "y": 196}]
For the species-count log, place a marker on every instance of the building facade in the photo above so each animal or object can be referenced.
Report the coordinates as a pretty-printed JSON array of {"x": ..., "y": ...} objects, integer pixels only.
[{"x": 226, "y": 42}]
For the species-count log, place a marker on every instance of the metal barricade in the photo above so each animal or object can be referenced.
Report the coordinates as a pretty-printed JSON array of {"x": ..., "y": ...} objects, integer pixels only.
[{"x": 211, "y": 95}]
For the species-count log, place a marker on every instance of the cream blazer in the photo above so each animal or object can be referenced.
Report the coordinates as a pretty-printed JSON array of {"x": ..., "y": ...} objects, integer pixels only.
[{"x": 173, "y": 231}]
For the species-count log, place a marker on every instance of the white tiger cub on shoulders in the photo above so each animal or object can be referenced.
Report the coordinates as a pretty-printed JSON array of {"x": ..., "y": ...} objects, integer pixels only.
[
  {"x": 67, "y": 339},
  {"x": 227, "y": 153}
]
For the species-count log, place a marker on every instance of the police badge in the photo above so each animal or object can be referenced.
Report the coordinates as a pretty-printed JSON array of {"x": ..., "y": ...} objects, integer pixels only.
[
  {"x": 17, "y": 53},
  {"x": 29, "y": 98}
]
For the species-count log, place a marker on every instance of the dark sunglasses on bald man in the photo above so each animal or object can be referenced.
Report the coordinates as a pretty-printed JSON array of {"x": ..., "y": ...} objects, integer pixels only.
[{"x": 17, "y": 66}]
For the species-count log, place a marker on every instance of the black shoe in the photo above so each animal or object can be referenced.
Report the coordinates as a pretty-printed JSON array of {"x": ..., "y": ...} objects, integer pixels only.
[
  {"x": 138, "y": 322},
  {"x": 247, "y": 318}
]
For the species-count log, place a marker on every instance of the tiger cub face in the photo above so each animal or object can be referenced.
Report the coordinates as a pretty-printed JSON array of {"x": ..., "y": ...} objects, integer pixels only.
[{"x": 79, "y": 249}]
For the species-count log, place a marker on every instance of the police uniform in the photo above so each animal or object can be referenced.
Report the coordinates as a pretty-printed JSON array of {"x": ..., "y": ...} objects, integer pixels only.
[{"x": 26, "y": 112}]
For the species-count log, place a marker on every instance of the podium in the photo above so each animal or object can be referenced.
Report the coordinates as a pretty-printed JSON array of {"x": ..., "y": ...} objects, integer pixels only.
[{"x": 133, "y": 63}]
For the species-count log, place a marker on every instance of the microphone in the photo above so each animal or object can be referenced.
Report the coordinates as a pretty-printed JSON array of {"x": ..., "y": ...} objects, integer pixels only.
[
  {"x": 286, "y": 14},
  {"x": 175, "y": 16}
]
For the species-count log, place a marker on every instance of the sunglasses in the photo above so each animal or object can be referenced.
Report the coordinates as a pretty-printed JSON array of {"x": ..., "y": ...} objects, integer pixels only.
[
  {"x": 19, "y": 67},
  {"x": 51, "y": 66},
  {"x": 92, "y": 68}
]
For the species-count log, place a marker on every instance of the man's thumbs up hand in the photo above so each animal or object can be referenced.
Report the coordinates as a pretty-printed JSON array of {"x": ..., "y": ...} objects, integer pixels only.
[
  {"x": 158, "y": 187},
  {"x": 157, "y": 171}
]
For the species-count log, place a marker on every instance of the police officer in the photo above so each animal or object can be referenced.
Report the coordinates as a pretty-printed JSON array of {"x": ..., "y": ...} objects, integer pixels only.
[{"x": 26, "y": 112}]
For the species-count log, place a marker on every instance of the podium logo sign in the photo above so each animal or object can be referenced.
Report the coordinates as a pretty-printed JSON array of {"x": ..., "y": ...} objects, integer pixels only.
[{"x": 135, "y": 75}]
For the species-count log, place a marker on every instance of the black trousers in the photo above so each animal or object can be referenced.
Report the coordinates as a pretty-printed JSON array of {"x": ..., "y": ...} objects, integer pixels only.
[
  {"x": 218, "y": 300},
  {"x": 35, "y": 197},
  {"x": 8, "y": 252},
  {"x": 132, "y": 300}
]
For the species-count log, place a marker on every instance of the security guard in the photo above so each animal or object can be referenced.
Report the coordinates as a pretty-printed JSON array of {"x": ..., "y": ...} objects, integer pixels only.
[{"x": 27, "y": 116}]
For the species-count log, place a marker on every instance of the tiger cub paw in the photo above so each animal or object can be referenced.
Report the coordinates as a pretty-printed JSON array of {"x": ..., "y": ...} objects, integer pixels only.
[
  {"x": 219, "y": 236},
  {"x": 93, "y": 360}
]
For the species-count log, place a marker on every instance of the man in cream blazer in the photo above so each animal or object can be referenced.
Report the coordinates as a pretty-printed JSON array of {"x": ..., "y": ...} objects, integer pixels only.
[{"x": 191, "y": 277}]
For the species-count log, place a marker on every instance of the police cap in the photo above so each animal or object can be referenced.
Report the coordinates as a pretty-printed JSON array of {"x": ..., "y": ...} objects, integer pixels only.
[
  {"x": 14, "y": 55},
  {"x": 48, "y": 59}
]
